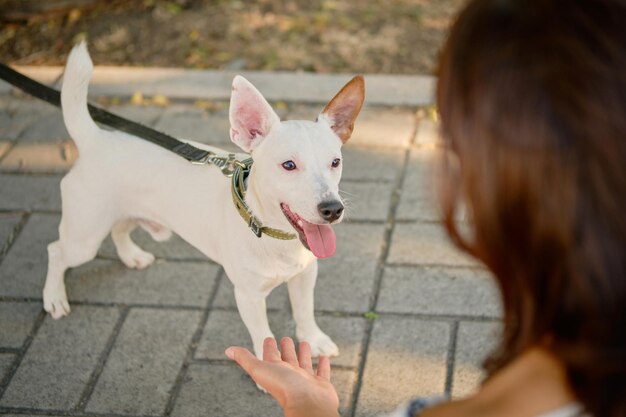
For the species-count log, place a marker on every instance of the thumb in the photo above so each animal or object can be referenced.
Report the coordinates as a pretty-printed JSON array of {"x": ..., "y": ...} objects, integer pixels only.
[{"x": 243, "y": 357}]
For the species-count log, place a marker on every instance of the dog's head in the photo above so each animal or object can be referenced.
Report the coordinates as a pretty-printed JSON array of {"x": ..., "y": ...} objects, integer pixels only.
[{"x": 298, "y": 163}]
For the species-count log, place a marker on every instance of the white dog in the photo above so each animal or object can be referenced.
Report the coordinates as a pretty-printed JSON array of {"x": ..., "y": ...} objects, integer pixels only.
[{"x": 120, "y": 182}]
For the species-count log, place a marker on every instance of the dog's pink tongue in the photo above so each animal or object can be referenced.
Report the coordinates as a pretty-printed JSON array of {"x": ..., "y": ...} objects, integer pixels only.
[{"x": 321, "y": 239}]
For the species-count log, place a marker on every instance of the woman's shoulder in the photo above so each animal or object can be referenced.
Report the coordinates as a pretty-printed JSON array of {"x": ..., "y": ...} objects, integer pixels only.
[
  {"x": 415, "y": 408},
  {"x": 570, "y": 410}
]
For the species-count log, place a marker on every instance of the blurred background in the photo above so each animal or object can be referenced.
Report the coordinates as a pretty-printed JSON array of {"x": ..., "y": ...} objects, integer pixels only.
[{"x": 357, "y": 36}]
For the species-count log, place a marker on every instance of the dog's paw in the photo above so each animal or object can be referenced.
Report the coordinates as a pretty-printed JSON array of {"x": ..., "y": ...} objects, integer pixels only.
[
  {"x": 55, "y": 303},
  {"x": 321, "y": 344},
  {"x": 137, "y": 258}
]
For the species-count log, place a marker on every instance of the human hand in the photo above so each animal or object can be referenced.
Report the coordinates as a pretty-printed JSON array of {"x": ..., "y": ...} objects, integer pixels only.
[{"x": 290, "y": 379}]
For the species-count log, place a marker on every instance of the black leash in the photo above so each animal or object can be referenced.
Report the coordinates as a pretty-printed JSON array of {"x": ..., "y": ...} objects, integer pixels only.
[{"x": 52, "y": 96}]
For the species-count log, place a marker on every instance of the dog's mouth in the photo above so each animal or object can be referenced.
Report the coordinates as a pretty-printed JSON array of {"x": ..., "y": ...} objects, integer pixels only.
[{"x": 318, "y": 238}]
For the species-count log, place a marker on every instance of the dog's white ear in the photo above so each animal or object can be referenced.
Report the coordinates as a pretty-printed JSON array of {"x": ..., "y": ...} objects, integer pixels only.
[
  {"x": 251, "y": 116},
  {"x": 342, "y": 110}
]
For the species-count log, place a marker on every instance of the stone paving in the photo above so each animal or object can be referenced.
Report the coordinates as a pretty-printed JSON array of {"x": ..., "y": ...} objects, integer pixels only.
[{"x": 412, "y": 316}]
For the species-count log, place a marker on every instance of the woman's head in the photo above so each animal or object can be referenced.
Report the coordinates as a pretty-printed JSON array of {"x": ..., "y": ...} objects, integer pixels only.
[{"x": 532, "y": 98}]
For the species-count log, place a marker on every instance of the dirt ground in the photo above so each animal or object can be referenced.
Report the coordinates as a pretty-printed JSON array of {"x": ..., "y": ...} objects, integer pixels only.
[{"x": 356, "y": 36}]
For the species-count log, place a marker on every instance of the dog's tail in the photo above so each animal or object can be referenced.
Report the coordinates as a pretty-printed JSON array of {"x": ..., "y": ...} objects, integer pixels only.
[{"x": 76, "y": 78}]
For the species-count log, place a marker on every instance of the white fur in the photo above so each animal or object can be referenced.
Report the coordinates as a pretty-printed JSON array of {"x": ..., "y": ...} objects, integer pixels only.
[{"x": 120, "y": 181}]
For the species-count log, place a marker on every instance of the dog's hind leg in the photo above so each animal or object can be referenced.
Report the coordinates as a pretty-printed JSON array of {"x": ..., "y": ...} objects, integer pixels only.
[
  {"x": 80, "y": 234},
  {"x": 131, "y": 255},
  {"x": 158, "y": 232}
]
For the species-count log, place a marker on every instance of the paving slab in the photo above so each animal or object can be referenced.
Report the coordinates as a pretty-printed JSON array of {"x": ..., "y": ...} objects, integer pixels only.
[
  {"x": 345, "y": 281},
  {"x": 32, "y": 415},
  {"x": 63, "y": 350},
  {"x": 225, "y": 328},
  {"x": 5, "y": 145},
  {"x": 475, "y": 341},
  {"x": 5, "y": 122},
  {"x": 146, "y": 115},
  {"x": 427, "y": 132},
  {"x": 30, "y": 192},
  {"x": 187, "y": 284},
  {"x": 384, "y": 127},
  {"x": 233, "y": 393},
  {"x": 371, "y": 164},
  {"x": 144, "y": 363},
  {"x": 6, "y": 361},
  {"x": 23, "y": 270},
  {"x": 418, "y": 200},
  {"x": 8, "y": 223},
  {"x": 222, "y": 390},
  {"x": 366, "y": 201},
  {"x": 406, "y": 359},
  {"x": 16, "y": 322},
  {"x": 5, "y": 103},
  {"x": 47, "y": 127},
  {"x": 23, "y": 105},
  {"x": 344, "y": 382},
  {"x": 426, "y": 244},
  {"x": 13, "y": 123},
  {"x": 348, "y": 334},
  {"x": 299, "y": 111},
  {"x": 40, "y": 158},
  {"x": 438, "y": 290}
]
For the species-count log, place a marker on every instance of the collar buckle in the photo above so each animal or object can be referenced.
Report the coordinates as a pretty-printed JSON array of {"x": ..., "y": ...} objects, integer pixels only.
[{"x": 255, "y": 226}]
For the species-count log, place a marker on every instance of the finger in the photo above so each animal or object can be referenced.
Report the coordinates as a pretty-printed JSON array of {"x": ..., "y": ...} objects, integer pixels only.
[
  {"x": 323, "y": 368},
  {"x": 304, "y": 356},
  {"x": 270, "y": 350},
  {"x": 243, "y": 357},
  {"x": 288, "y": 350}
]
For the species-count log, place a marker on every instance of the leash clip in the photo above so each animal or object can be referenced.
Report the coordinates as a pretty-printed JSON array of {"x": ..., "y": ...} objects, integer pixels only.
[
  {"x": 203, "y": 161},
  {"x": 228, "y": 165}
]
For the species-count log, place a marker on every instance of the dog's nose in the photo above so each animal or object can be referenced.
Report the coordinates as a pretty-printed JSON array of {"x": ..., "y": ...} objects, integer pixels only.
[{"x": 330, "y": 210}]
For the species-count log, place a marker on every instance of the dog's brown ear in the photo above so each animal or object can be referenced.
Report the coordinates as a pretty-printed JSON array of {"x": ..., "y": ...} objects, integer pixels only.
[
  {"x": 343, "y": 109},
  {"x": 251, "y": 116}
]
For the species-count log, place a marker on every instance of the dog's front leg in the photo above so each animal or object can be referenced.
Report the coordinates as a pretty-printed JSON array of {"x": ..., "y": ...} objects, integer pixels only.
[
  {"x": 253, "y": 312},
  {"x": 301, "y": 288}
]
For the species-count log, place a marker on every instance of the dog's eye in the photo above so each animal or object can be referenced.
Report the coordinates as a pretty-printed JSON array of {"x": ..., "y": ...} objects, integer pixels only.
[
  {"x": 289, "y": 165},
  {"x": 335, "y": 163}
]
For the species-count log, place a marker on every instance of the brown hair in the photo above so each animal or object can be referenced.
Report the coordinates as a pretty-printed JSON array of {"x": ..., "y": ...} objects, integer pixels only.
[{"x": 532, "y": 99}]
